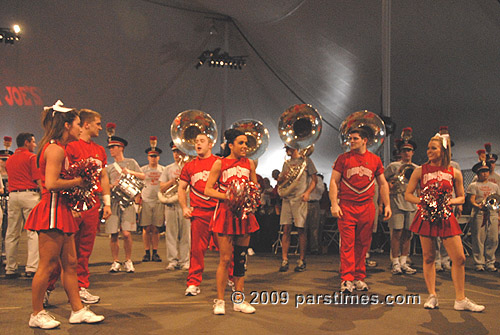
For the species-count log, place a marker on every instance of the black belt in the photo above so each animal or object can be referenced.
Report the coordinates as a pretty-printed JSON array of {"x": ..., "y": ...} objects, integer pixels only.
[
  {"x": 26, "y": 190},
  {"x": 312, "y": 201}
]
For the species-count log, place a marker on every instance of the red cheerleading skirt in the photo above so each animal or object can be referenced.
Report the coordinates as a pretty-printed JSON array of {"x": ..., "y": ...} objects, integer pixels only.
[
  {"x": 225, "y": 222},
  {"x": 52, "y": 212},
  {"x": 445, "y": 228}
]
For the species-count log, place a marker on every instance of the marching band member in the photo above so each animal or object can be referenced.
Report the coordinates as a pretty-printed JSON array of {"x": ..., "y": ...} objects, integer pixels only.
[
  {"x": 485, "y": 225},
  {"x": 152, "y": 213},
  {"x": 233, "y": 233},
  {"x": 121, "y": 219},
  {"x": 353, "y": 177},
  {"x": 437, "y": 171},
  {"x": 403, "y": 211},
  {"x": 53, "y": 220},
  {"x": 294, "y": 208},
  {"x": 177, "y": 227}
]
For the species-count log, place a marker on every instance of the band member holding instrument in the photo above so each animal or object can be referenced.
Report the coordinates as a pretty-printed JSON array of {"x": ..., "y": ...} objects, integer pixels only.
[
  {"x": 438, "y": 174},
  {"x": 53, "y": 220},
  {"x": 294, "y": 207},
  {"x": 353, "y": 178},
  {"x": 195, "y": 175},
  {"x": 403, "y": 212},
  {"x": 152, "y": 213},
  {"x": 88, "y": 221},
  {"x": 233, "y": 233},
  {"x": 485, "y": 224},
  {"x": 177, "y": 227},
  {"x": 121, "y": 219}
]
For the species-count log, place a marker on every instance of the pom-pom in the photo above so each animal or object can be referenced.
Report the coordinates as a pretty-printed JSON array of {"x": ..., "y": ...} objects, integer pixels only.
[
  {"x": 406, "y": 134},
  {"x": 153, "y": 141},
  {"x": 434, "y": 206},
  {"x": 110, "y": 129},
  {"x": 7, "y": 142},
  {"x": 243, "y": 197},
  {"x": 83, "y": 198},
  {"x": 487, "y": 146}
]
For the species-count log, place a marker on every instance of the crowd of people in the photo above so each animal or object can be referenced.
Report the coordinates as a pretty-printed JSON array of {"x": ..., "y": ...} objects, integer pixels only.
[{"x": 197, "y": 214}]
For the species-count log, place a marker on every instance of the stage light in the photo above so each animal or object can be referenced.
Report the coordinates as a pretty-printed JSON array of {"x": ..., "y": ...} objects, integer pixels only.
[
  {"x": 8, "y": 35},
  {"x": 217, "y": 59}
]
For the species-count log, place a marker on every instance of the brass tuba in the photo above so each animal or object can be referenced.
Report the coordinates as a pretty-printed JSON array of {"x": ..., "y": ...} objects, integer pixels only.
[
  {"x": 183, "y": 130},
  {"x": 299, "y": 127},
  {"x": 257, "y": 135},
  {"x": 492, "y": 202},
  {"x": 367, "y": 120},
  {"x": 401, "y": 179}
]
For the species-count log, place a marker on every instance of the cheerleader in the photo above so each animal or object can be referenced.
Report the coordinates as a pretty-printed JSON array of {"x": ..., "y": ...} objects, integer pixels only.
[
  {"x": 52, "y": 219},
  {"x": 438, "y": 170},
  {"x": 233, "y": 233}
]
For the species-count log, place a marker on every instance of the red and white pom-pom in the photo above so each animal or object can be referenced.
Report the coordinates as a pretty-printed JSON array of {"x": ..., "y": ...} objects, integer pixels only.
[
  {"x": 434, "y": 206},
  {"x": 83, "y": 198},
  {"x": 243, "y": 197}
]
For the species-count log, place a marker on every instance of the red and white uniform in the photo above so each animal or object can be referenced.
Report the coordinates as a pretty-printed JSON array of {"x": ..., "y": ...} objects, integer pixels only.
[
  {"x": 88, "y": 223},
  {"x": 224, "y": 221},
  {"x": 356, "y": 191},
  {"x": 445, "y": 228},
  {"x": 53, "y": 211},
  {"x": 195, "y": 173}
]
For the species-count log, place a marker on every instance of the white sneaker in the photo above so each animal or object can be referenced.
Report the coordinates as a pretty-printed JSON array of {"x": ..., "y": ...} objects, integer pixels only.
[
  {"x": 129, "y": 266},
  {"x": 192, "y": 290},
  {"x": 432, "y": 302},
  {"x": 46, "y": 297},
  {"x": 171, "y": 267},
  {"x": 85, "y": 315},
  {"x": 250, "y": 252},
  {"x": 244, "y": 307},
  {"x": 346, "y": 286},
  {"x": 115, "y": 267},
  {"x": 360, "y": 285},
  {"x": 185, "y": 267},
  {"x": 87, "y": 297},
  {"x": 43, "y": 320},
  {"x": 407, "y": 269},
  {"x": 468, "y": 305},
  {"x": 396, "y": 269},
  {"x": 219, "y": 307}
]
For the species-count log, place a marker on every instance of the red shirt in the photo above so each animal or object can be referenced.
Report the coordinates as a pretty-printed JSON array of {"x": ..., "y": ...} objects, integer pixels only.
[
  {"x": 78, "y": 150},
  {"x": 22, "y": 170},
  {"x": 43, "y": 164},
  {"x": 195, "y": 173},
  {"x": 358, "y": 175},
  {"x": 233, "y": 169}
]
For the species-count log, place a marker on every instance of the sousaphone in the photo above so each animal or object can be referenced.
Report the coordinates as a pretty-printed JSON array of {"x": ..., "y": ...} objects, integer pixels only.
[
  {"x": 257, "y": 135},
  {"x": 370, "y": 122},
  {"x": 183, "y": 130},
  {"x": 299, "y": 127}
]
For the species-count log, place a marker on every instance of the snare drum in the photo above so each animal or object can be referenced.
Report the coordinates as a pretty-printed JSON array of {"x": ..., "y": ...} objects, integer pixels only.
[{"x": 127, "y": 189}]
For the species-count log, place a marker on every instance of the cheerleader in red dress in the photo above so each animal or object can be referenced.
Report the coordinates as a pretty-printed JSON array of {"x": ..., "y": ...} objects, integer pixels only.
[
  {"x": 53, "y": 221},
  {"x": 438, "y": 170},
  {"x": 233, "y": 233}
]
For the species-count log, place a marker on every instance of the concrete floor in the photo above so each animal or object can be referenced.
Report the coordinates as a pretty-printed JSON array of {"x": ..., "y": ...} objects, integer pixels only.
[{"x": 152, "y": 301}]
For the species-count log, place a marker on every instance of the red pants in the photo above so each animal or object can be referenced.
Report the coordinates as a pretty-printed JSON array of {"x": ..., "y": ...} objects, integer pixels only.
[
  {"x": 84, "y": 243},
  {"x": 355, "y": 229},
  {"x": 200, "y": 238}
]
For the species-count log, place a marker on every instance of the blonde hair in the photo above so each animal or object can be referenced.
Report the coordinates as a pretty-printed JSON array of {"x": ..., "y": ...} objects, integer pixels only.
[
  {"x": 88, "y": 115},
  {"x": 445, "y": 151}
]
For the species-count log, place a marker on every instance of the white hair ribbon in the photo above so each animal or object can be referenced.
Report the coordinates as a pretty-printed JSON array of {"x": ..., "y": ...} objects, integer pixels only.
[
  {"x": 445, "y": 137},
  {"x": 58, "y": 107}
]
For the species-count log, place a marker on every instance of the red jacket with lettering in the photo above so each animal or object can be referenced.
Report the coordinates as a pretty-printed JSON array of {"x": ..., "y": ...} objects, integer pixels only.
[
  {"x": 195, "y": 173},
  {"x": 358, "y": 175}
]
